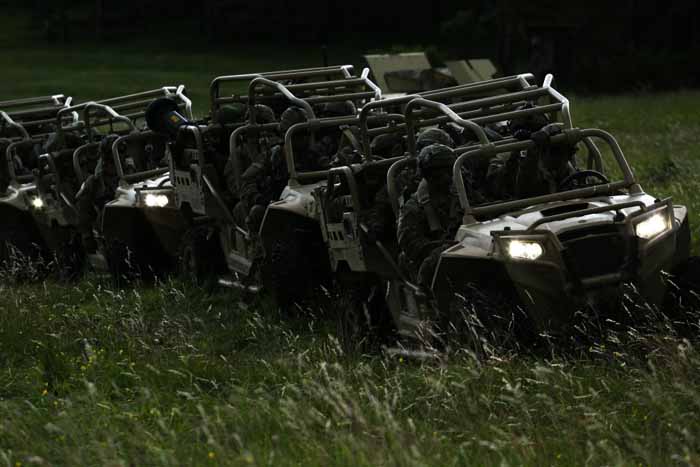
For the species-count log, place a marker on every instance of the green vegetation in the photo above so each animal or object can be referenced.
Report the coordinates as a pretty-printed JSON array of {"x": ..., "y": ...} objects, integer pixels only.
[{"x": 165, "y": 375}]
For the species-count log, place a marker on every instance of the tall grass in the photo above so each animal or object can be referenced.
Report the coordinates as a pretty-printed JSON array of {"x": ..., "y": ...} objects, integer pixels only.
[{"x": 166, "y": 375}]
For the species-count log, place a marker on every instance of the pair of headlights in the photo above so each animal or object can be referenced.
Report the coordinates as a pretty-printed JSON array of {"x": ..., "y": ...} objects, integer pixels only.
[
  {"x": 155, "y": 200},
  {"x": 647, "y": 229}
]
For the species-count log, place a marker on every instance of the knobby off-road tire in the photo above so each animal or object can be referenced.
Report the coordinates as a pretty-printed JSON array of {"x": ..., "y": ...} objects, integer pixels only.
[
  {"x": 363, "y": 320},
  {"x": 484, "y": 322},
  {"x": 290, "y": 272},
  {"x": 122, "y": 263},
  {"x": 20, "y": 256},
  {"x": 70, "y": 259},
  {"x": 200, "y": 258},
  {"x": 682, "y": 303}
]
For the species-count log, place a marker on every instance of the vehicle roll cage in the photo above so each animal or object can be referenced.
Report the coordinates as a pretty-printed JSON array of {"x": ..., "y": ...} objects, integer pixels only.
[
  {"x": 326, "y": 73},
  {"x": 519, "y": 82},
  {"x": 336, "y": 90},
  {"x": 569, "y": 136},
  {"x": 131, "y": 107},
  {"x": 25, "y": 114},
  {"x": 295, "y": 176},
  {"x": 95, "y": 114},
  {"x": 15, "y": 179},
  {"x": 473, "y": 114}
]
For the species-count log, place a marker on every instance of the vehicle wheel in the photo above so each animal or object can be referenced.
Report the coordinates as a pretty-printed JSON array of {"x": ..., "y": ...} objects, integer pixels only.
[
  {"x": 363, "y": 320},
  {"x": 682, "y": 303},
  {"x": 70, "y": 259},
  {"x": 290, "y": 274},
  {"x": 121, "y": 262},
  {"x": 483, "y": 322},
  {"x": 200, "y": 257},
  {"x": 20, "y": 257}
]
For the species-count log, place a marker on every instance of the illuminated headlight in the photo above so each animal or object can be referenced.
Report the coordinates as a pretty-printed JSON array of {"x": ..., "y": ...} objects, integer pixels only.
[
  {"x": 156, "y": 201},
  {"x": 653, "y": 226},
  {"x": 519, "y": 249},
  {"x": 37, "y": 202}
]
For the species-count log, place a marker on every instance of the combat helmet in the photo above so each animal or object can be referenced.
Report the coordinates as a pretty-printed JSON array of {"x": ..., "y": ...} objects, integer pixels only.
[
  {"x": 263, "y": 114},
  {"x": 292, "y": 116},
  {"x": 435, "y": 156},
  {"x": 433, "y": 136},
  {"x": 230, "y": 113},
  {"x": 338, "y": 109},
  {"x": 387, "y": 145},
  {"x": 523, "y": 127}
]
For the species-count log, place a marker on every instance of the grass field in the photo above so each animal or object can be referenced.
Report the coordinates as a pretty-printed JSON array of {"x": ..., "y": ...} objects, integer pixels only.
[{"x": 169, "y": 376}]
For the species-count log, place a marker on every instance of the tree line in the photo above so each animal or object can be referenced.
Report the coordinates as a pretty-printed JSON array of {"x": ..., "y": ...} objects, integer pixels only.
[{"x": 596, "y": 45}]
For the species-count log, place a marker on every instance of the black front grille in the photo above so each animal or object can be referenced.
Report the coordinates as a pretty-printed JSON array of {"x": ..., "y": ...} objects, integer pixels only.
[{"x": 594, "y": 252}]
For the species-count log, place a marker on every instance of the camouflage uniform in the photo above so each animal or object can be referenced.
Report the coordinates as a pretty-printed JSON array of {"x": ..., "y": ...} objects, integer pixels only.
[
  {"x": 430, "y": 218},
  {"x": 380, "y": 219},
  {"x": 256, "y": 147},
  {"x": 535, "y": 172},
  {"x": 97, "y": 190}
]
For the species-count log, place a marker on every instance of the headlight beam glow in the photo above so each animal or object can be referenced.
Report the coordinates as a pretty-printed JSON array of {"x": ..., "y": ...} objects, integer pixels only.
[
  {"x": 651, "y": 227},
  {"x": 520, "y": 249},
  {"x": 156, "y": 201}
]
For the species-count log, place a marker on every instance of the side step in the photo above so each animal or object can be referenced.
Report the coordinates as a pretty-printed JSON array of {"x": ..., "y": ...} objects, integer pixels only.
[
  {"x": 231, "y": 283},
  {"x": 98, "y": 262}
]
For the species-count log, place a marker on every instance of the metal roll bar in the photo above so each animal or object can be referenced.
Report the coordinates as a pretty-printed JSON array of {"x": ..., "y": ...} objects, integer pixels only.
[
  {"x": 391, "y": 186},
  {"x": 283, "y": 90},
  {"x": 129, "y": 102},
  {"x": 519, "y": 81},
  {"x": 8, "y": 155},
  {"x": 569, "y": 136},
  {"x": 76, "y": 160},
  {"x": 419, "y": 101},
  {"x": 56, "y": 99},
  {"x": 352, "y": 183},
  {"x": 111, "y": 114},
  {"x": 12, "y": 124},
  {"x": 585, "y": 212},
  {"x": 233, "y": 145},
  {"x": 342, "y": 71},
  {"x": 294, "y": 176}
]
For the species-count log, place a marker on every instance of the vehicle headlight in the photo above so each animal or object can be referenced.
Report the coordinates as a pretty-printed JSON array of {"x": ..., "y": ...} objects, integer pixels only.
[
  {"x": 156, "y": 201},
  {"x": 653, "y": 226},
  {"x": 521, "y": 249},
  {"x": 37, "y": 203}
]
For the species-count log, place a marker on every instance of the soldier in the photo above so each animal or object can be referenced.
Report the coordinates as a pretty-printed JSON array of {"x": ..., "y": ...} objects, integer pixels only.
[
  {"x": 430, "y": 218},
  {"x": 380, "y": 218},
  {"x": 337, "y": 109},
  {"x": 263, "y": 181},
  {"x": 97, "y": 190},
  {"x": 257, "y": 146},
  {"x": 388, "y": 145},
  {"x": 535, "y": 172},
  {"x": 433, "y": 136}
]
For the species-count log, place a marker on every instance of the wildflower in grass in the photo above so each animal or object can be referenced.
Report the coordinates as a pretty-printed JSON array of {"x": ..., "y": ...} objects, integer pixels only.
[
  {"x": 44, "y": 392},
  {"x": 211, "y": 455}
]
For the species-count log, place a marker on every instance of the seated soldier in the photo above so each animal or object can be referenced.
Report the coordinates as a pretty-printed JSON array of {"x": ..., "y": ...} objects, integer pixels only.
[
  {"x": 388, "y": 145},
  {"x": 534, "y": 172},
  {"x": 61, "y": 147},
  {"x": 429, "y": 220},
  {"x": 250, "y": 148},
  {"x": 97, "y": 190},
  {"x": 336, "y": 109},
  {"x": 380, "y": 218}
]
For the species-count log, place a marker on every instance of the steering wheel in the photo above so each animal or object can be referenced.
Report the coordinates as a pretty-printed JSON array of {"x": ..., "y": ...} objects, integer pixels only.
[{"x": 582, "y": 175}]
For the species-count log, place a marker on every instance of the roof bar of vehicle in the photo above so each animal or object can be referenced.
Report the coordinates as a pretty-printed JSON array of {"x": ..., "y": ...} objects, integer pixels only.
[{"x": 341, "y": 71}]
